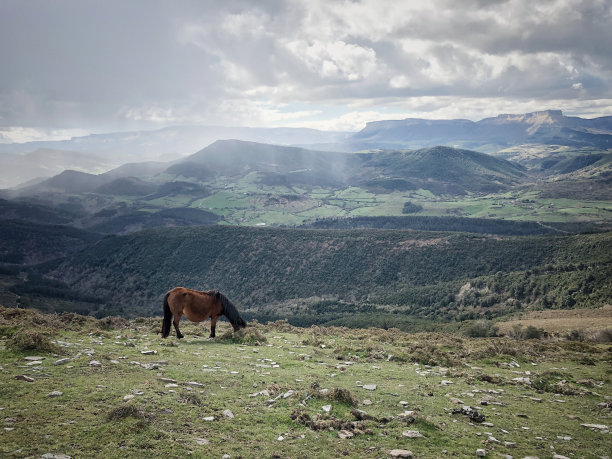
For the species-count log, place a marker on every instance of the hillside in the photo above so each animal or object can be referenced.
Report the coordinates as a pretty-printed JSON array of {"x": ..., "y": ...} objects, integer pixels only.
[
  {"x": 250, "y": 183},
  {"x": 271, "y": 272},
  {"x": 30, "y": 243},
  {"x": 76, "y": 386}
]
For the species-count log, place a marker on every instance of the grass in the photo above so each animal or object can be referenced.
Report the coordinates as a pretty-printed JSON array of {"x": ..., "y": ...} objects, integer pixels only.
[{"x": 275, "y": 378}]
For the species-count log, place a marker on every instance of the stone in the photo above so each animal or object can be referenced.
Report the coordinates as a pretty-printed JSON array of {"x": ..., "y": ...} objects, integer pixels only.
[
  {"x": 412, "y": 434},
  {"x": 510, "y": 444},
  {"x": 370, "y": 386},
  {"x": 564, "y": 437},
  {"x": 202, "y": 441},
  {"x": 24, "y": 378},
  {"x": 228, "y": 414},
  {"x": 445, "y": 382},
  {"x": 344, "y": 434},
  {"x": 326, "y": 408},
  {"x": 55, "y": 393},
  {"x": 601, "y": 427},
  {"x": 559, "y": 456},
  {"x": 128, "y": 397},
  {"x": 367, "y": 402},
  {"x": 288, "y": 394},
  {"x": 403, "y": 403},
  {"x": 94, "y": 363},
  {"x": 194, "y": 383},
  {"x": 280, "y": 438},
  {"x": 148, "y": 352},
  {"x": 208, "y": 418},
  {"x": 34, "y": 358},
  {"x": 400, "y": 453},
  {"x": 492, "y": 439},
  {"x": 481, "y": 452}
]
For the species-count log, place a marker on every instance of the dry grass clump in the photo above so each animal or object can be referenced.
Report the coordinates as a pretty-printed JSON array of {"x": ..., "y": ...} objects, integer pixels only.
[
  {"x": 112, "y": 323},
  {"x": 31, "y": 340},
  {"x": 126, "y": 411},
  {"x": 249, "y": 336},
  {"x": 343, "y": 396}
]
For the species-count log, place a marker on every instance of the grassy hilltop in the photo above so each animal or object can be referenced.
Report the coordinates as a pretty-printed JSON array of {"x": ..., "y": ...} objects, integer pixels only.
[{"x": 83, "y": 387}]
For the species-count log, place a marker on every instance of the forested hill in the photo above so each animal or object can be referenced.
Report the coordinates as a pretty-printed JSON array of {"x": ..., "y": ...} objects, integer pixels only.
[{"x": 257, "y": 267}]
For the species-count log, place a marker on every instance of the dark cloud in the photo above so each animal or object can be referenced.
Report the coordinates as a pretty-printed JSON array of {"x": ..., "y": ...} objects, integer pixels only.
[{"x": 123, "y": 64}]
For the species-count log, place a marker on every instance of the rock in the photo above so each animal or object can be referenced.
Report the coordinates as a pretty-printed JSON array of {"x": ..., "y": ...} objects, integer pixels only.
[
  {"x": 367, "y": 402},
  {"x": 171, "y": 385},
  {"x": 55, "y": 393},
  {"x": 481, "y": 452},
  {"x": 510, "y": 444},
  {"x": 522, "y": 380},
  {"x": 444, "y": 382},
  {"x": 94, "y": 363},
  {"x": 288, "y": 394},
  {"x": 194, "y": 383},
  {"x": 202, "y": 441},
  {"x": 228, "y": 414},
  {"x": 54, "y": 456},
  {"x": 601, "y": 427},
  {"x": 404, "y": 404},
  {"x": 128, "y": 397},
  {"x": 564, "y": 437},
  {"x": 61, "y": 361},
  {"x": 412, "y": 434},
  {"x": 326, "y": 408},
  {"x": 492, "y": 439},
  {"x": 24, "y": 378},
  {"x": 148, "y": 352},
  {"x": 34, "y": 358},
  {"x": 400, "y": 453},
  {"x": 344, "y": 434},
  {"x": 559, "y": 456},
  {"x": 280, "y": 438},
  {"x": 370, "y": 386},
  {"x": 208, "y": 418},
  {"x": 457, "y": 400}
]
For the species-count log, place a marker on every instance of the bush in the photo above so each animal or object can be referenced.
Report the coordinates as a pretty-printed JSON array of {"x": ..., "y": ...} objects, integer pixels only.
[
  {"x": 31, "y": 340},
  {"x": 604, "y": 336},
  {"x": 482, "y": 329},
  {"x": 532, "y": 332},
  {"x": 576, "y": 335}
]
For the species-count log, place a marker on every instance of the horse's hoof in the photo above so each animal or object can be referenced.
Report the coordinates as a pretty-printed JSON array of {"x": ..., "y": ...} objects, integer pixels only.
[{"x": 180, "y": 337}]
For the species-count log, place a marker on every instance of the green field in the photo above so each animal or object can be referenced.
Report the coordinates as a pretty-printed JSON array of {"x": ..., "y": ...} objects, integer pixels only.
[{"x": 281, "y": 391}]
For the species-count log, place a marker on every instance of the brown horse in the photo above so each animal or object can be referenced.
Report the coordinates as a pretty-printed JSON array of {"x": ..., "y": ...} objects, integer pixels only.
[{"x": 197, "y": 307}]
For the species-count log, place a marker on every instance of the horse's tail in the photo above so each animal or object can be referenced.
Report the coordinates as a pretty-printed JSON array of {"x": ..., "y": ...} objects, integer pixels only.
[
  {"x": 230, "y": 311},
  {"x": 165, "y": 331}
]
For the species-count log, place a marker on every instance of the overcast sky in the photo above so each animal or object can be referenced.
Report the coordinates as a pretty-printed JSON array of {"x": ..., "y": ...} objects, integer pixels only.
[{"x": 77, "y": 66}]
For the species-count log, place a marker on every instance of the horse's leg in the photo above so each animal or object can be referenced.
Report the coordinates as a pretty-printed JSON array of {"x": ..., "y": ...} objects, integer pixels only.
[
  {"x": 213, "y": 325},
  {"x": 176, "y": 321}
]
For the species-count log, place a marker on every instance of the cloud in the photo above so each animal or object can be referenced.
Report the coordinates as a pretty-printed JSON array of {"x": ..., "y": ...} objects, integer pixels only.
[{"x": 121, "y": 65}]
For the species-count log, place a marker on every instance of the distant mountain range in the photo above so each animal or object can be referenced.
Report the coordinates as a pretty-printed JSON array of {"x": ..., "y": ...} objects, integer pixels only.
[
  {"x": 490, "y": 134},
  {"x": 97, "y": 153}
]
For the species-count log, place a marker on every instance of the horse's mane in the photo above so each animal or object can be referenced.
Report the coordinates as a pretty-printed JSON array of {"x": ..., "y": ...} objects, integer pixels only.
[{"x": 230, "y": 311}]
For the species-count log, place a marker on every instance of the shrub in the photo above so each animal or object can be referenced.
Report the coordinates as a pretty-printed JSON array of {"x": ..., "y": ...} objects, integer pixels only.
[
  {"x": 482, "y": 329},
  {"x": 31, "y": 340},
  {"x": 604, "y": 336},
  {"x": 532, "y": 332},
  {"x": 576, "y": 335}
]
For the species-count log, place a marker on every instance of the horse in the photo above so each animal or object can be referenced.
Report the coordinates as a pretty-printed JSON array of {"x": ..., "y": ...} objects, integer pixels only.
[{"x": 198, "y": 306}]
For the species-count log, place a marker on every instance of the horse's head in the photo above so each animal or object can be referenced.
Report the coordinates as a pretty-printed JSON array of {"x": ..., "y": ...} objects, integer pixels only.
[{"x": 240, "y": 323}]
